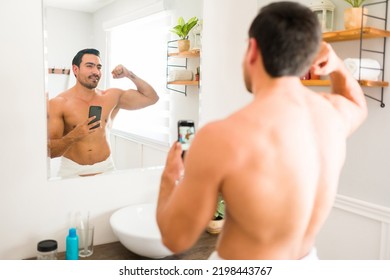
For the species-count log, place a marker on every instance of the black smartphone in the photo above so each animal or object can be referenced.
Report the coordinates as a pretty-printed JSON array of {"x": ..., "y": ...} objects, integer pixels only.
[
  {"x": 95, "y": 111},
  {"x": 185, "y": 133}
]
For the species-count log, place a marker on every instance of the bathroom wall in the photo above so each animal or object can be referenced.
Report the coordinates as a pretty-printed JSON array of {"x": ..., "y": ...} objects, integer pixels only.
[{"x": 67, "y": 33}]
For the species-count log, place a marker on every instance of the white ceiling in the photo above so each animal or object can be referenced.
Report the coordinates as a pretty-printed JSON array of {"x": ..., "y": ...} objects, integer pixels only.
[{"x": 89, "y": 6}]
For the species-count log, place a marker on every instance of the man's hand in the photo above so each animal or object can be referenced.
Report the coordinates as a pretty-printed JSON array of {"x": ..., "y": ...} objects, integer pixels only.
[
  {"x": 174, "y": 167},
  {"x": 82, "y": 130},
  {"x": 326, "y": 61},
  {"x": 120, "y": 72},
  {"x": 59, "y": 145}
]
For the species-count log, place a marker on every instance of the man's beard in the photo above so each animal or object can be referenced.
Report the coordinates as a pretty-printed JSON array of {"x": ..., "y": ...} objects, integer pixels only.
[{"x": 90, "y": 85}]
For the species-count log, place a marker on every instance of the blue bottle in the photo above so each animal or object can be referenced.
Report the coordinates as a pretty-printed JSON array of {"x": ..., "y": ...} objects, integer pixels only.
[{"x": 72, "y": 245}]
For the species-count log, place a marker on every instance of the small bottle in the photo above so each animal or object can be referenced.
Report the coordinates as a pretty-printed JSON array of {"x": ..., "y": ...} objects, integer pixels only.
[
  {"x": 47, "y": 250},
  {"x": 72, "y": 245}
]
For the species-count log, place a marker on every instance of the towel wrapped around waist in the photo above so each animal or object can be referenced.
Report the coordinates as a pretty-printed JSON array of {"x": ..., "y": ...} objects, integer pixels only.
[
  {"x": 69, "y": 168},
  {"x": 180, "y": 75},
  {"x": 370, "y": 68}
]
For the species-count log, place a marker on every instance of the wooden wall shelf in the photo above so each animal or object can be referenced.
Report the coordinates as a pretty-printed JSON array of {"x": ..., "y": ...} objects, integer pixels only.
[
  {"x": 319, "y": 83},
  {"x": 364, "y": 83},
  {"x": 354, "y": 34},
  {"x": 187, "y": 54},
  {"x": 181, "y": 86},
  {"x": 362, "y": 33},
  {"x": 184, "y": 83}
]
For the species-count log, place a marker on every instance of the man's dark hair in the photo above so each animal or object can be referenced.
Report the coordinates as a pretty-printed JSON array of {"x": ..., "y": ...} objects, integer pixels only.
[
  {"x": 288, "y": 35},
  {"x": 79, "y": 56}
]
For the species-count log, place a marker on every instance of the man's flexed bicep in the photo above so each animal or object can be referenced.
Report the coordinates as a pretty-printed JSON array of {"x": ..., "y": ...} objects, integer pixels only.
[{"x": 132, "y": 99}]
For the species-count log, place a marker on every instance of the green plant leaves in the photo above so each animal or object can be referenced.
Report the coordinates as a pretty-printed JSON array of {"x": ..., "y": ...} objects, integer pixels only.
[
  {"x": 181, "y": 21},
  {"x": 220, "y": 211},
  {"x": 355, "y": 3},
  {"x": 182, "y": 28}
]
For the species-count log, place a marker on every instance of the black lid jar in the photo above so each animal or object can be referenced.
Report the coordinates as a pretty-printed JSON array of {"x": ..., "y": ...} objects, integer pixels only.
[{"x": 47, "y": 250}]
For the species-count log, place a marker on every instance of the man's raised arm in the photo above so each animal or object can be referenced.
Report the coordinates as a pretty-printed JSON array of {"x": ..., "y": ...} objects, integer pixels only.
[
  {"x": 347, "y": 95},
  {"x": 131, "y": 99}
]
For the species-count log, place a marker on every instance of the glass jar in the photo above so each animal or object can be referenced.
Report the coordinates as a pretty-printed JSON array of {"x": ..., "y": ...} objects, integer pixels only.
[{"x": 47, "y": 250}]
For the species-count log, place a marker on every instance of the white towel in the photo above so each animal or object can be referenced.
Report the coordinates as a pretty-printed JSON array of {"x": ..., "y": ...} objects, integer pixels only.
[
  {"x": 69, "y": 168},
  {"x": 180, "y": 75},
  {"x": 353, "y": 65}
]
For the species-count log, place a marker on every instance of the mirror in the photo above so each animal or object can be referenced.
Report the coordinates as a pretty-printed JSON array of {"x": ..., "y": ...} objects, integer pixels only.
[{"x": 69, "y": 29}]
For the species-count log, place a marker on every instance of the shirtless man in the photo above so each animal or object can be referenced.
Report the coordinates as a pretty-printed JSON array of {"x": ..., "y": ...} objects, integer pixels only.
[
  {"x": 84, "y": 149},
  {"x": 276, "y": 161}
]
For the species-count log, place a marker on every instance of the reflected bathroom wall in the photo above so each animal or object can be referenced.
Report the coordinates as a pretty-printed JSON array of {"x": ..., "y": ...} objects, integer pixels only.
[{"x": 68, "y": 31}]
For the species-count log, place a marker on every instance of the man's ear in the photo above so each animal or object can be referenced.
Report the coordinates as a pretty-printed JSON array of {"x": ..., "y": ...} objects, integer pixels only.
[
  {"x": 253, "y": 51},
  {"x": 75, "y": 69}
]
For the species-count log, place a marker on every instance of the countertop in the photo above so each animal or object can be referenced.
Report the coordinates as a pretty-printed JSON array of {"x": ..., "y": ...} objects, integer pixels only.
[{"x": 116, "y": 251}]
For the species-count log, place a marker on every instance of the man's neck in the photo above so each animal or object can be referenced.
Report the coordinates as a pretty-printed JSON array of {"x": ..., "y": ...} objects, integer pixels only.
[
  {"x": 84, "y": 93},
  {"x": 274, "y": 85}
]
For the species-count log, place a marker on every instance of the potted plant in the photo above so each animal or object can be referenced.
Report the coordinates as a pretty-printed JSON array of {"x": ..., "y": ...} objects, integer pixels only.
[
  {"x": 353, "y": 16},
  {"x": 182, "y": 29},
  {"x": 216, "y": 224}
]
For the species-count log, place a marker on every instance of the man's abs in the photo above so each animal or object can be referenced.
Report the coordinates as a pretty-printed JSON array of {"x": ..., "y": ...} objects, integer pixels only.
[{"x": 88, "y": 153}]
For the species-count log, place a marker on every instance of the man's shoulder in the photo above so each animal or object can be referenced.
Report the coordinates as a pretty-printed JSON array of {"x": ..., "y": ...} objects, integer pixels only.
[
  {"x": 110, "y": 91},
  {"x": 59, "y": 99},
  {"x": 213, "y": 127},
  {"x": 220, "y": 133},
  {"x": 63, "y": 96}
]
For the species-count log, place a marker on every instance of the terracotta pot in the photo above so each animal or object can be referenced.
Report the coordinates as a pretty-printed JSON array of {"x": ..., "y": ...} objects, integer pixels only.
[
  {"x": 184, "y": 45},
  {"x": 215, "y": 226},
  {"x": 353, "y": 18}
]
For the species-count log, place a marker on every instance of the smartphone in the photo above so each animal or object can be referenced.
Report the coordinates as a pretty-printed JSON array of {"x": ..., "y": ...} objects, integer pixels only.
[
  {"x": 95, "y": 111},
  {"x": 185, "y": 133}
]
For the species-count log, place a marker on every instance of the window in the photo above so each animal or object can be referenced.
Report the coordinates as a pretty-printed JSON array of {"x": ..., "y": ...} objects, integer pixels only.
[{"x": 140, "y": 45}]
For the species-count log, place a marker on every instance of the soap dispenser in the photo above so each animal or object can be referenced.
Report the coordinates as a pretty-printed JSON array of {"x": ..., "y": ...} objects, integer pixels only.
[{"x": 72, "y": 245}]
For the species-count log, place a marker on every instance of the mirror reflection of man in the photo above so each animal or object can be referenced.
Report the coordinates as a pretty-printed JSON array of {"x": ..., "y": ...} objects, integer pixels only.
[{"x": 84, "y": 150}]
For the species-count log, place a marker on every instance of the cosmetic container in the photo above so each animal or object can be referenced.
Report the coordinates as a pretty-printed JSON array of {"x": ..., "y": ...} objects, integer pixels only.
[
  {"x": 47, "y": 250},
  {"x": 72, "y": 245}
]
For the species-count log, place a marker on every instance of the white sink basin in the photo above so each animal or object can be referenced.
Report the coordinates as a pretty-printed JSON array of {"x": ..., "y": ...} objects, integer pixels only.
[{"x": 136, "y": 228}]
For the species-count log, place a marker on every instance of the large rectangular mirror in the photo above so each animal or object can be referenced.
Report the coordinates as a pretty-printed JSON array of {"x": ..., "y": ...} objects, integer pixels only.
[{"x": 135, "y": 34}]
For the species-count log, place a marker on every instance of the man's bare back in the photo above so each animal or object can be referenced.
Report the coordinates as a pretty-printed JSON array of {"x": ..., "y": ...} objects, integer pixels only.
[
  {"x": 280, "y": 190},
  {"x": 277, "y": 161}
]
